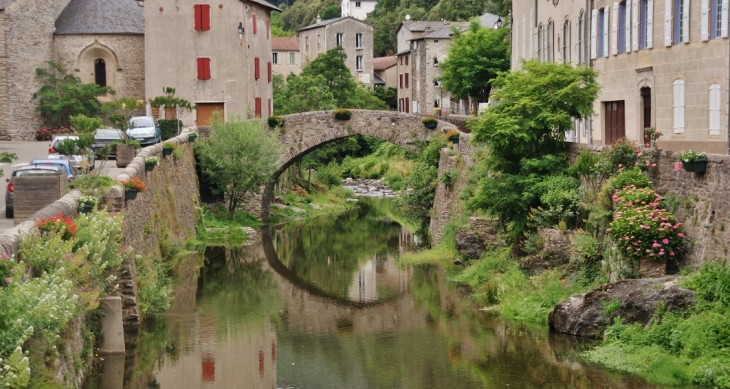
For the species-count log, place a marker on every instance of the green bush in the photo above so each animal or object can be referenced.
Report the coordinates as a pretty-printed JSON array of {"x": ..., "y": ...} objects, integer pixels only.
[
  {"x": 620, "y": 155},
  {"x": 329, "y": 175},
  {"x": 168, "y": 128},
  {"x": 633, "y": 176},
  {"x": 587, "y": 253},
  {"x": 395, "y": 181},
  {"x": 560, "y": 201},
  {"x": 585, "y": 164},
  {"x": 91, "y": 185}
]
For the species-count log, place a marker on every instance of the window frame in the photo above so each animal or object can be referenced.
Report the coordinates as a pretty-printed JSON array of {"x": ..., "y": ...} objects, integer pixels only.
[
  {"x": 201, "y": 14},
  {"x": 359, "y": 41},
  {"x": 358, "y": 63},
  {"x": 678, "y": 106}
]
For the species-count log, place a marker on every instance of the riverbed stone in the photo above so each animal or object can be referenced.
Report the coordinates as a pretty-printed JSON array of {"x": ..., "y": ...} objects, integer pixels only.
[{"x": 586, "y": 315}]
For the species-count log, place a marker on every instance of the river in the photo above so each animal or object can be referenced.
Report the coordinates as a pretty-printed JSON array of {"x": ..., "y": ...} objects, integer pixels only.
[{"x": 324, "y": 304}]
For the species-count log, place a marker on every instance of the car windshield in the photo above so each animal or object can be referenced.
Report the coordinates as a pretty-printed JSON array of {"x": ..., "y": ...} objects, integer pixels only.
[
  {"x": 109, "y": 132},
  {"x": 142, "y": 122},
  {"x": 35, "y": 172}
]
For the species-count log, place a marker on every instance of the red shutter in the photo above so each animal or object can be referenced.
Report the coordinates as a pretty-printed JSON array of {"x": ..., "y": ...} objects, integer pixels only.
[
  {"x": 406, "y": 80},
  {"x": 198, "y": 10},
  {"x": 400, "y": 76},
  {"x": 271, "y": 109},
  {"x": 203, "y": 68},
  {"x": 408, "y": 105},
  {"x": 256, "y": 71},
  {"x": 267, "y": 28},
  {"x": 254, "y": 23},
  {"x": 205, "y": 17},
  {"x": 268, "y": 66},
  {"x": 258, "y": 107}
]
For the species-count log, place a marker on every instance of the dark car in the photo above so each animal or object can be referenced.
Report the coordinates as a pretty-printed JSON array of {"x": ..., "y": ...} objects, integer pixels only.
[
  {"x": 105, "y": 136},
  {"x": 26, "y": 171}
]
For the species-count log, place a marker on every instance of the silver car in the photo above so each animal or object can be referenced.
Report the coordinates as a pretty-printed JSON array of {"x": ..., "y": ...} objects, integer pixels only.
[
  {"x": 25, "y": 171},
  {"x": 77, "y": 161},
  {"x": 144, "y": 129}
]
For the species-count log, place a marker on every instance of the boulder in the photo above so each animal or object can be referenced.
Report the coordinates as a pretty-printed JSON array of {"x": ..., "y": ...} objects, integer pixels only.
[
  {"x": 473, "y": 238},
  {"x": 585, "y": 315}
]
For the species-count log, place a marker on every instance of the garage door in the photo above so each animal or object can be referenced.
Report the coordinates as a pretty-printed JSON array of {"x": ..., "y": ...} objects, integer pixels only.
[{"x": 205, "y": 112}]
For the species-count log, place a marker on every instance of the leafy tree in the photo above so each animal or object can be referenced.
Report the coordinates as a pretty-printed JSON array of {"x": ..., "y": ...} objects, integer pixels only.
[
  {"x": 339, "y": 80},
  {"x": 331, "y": 12},
  {"x": 239, "y": 157},
  {"x": 168, "y": 99},
  {"x": 301, "y": 94},
  {"x": 120, "y": 111},
  {"x": 304, "y": 12},
  {"x": 459, "y": 9},
  {"x": 475, "y": 58},
  {"x": 385, "y": 21},
  {"x": 525, "y": 135},
  {"x": 63, "y": 95},
  {"x": 7, "y": 158},
  {"x": 277, "y": 26}
]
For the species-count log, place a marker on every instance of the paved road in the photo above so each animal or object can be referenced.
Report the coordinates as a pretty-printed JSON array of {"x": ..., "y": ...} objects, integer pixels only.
[{"x": 26, "y": 152}]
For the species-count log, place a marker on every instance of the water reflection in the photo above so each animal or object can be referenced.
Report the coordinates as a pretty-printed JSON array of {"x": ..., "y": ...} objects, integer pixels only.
[{"x": 324, "y": 305}]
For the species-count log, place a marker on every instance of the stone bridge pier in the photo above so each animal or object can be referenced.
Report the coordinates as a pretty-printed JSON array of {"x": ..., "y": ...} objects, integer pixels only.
[{"x": 305, "y": 132}]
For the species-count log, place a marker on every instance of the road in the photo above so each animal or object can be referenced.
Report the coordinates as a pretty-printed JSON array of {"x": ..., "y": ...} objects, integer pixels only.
[{"x": 26, "y": 152}]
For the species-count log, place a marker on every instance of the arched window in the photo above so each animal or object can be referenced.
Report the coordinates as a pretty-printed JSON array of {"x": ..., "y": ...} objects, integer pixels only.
[
  {"x": 540, "y": 38},
  {"x": 566, "y": 40},
  {"x": 550, "y": 45},
  {"x": 100, "y": 72}
]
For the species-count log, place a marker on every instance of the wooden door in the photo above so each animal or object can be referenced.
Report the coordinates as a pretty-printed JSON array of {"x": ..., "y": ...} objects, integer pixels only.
[
  {"x": 615, "y": 128},
  {"x": 205, "y": 112}
]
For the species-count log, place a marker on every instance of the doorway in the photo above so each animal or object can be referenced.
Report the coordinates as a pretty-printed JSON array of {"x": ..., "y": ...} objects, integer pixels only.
[
  {"x": 614, "y": 122},
  {"x": 204, "y": 112},
  {"x": 646, "y": 106}
]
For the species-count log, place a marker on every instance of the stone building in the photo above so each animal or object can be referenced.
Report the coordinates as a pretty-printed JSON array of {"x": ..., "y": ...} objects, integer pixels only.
[
  {"x": 385, "y": 71},
  {"x": 96, "y": 40},
  {"x": 661, "y": 63},
  {"x": 285, "y": 55},
  {"x": 358, "y": 9},
  {"x": 355, "y": 36},
  {"x": 217, "y": 56}
]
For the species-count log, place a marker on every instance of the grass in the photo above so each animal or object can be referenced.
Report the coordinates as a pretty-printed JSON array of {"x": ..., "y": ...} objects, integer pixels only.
[{"x": 217, "y": 229}]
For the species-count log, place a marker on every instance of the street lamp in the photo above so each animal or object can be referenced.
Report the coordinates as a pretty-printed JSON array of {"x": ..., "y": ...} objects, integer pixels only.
[
  {"x": 240, "y": 29},
  {"x": 498, "y": 23}
]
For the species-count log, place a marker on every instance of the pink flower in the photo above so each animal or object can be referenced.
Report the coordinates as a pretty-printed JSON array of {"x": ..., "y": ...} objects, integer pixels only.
[
  {"x": 681, "y": 235},
  {"x": 665, "y": 241},
  {"x": 659, "y": 148},
  {"x": 620, "y": 165},
  {"x": 656, "y": 245},
  {"x": 671, "y": 253},
  {"x": 8, "y": 280},
  {"x": 608, "y": 230},
  {"x": 678, "y": 166},
  {"x": 646, "y": 145},
  {"x": 640, "y": 154}
]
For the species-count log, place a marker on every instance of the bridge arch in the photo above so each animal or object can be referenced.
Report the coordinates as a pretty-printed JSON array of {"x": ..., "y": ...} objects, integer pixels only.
[{"x": 307, "y": 131}]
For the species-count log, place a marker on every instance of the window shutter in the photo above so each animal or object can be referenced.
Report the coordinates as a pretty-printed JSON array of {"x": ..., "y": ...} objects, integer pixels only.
[
  {"x": 678, "y": 87},
  {"x": 614, "y": 30},
  {"x": 205, "y": 17},
  {"x": 685, "y": 21},
  {"x": 197, "y": 12},
  {"x": 268, "y": 69},
  {"x": 271, "y": 109},
  {"x": 723, "y": 31},
  {"x": 634, "y": 26},
  {"x": 594, "y": 33},
  {"x": 667, "y": 23},
  {"x": 400, "y": 77},
  {"x": 408, "y": 105},
  {"x": 714, "y": 109},
  {"x": 627, "y": 26},
  {"x": 266, "y": 22},
  {"x": 705, "y": 21},
  {"x": 650, "y": 24},
  {"x": 256, "y": 70},
  {"x": 578, "y": 40},
  {"x": 406, "y": 80},
  {"x": 203, "y": 68},
  {"x": 407, "y": 56},
  {"x": 253, "y": 21},
  {"x": 605, "y": 32},
  {"x": 515, "y": 39},
  {"x": 258, "y": 107}
]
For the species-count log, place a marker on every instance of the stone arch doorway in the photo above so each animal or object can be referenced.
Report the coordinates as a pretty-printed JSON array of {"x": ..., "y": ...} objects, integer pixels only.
[
  {"x": 100, "y": 72},
  {"x": 98, "y": 64}
]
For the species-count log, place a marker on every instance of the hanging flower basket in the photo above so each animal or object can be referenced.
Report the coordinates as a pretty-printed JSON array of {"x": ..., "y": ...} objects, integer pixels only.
[
  {"x": 130, "y": 194},
  {"x": 430, "y": 122},
  {"x": 86, "y": 208},
  {"x": 275, "y": 121},
  {"x": 693, "y": 161},
  {"x": 342, "y": 114},
  {"x": 192, "y": 137},
  {"x": 452, "y": 136},
  {"x": 150, "y": 163},
  {"x": 168, "y": 148}
]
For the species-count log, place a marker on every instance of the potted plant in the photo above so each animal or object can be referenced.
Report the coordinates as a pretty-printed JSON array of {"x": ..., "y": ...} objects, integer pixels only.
[
  {"x": 192, "y": 136},
  {"x": 150, "y": 163},
  {"x": 452, "y": 135},
  {"x": 342, "y": 114},
  {"x": 168, "y": 148},
  {"x": 693, "y": 161},
  {"x": 119, "y": 112},
  {"x": 132, "y": 187},
  {"x": 275, "y": 121},
  {"x": 430, "y": 122},
  {"x": 86, "y": 203},
  {"x": 58, "y": 224}
]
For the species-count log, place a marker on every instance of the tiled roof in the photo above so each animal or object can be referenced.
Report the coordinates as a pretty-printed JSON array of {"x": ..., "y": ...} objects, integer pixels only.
[
  {"x": 285, "y": 44},
  {"x": 445, "y": 32},
  {"x": 101, "y": 17},
  {"x": 382, "y": 63},
  {"x": 422, "y": 25},
  {"x": 327, "y": 22},
  {"x": 266, "y": 4},
  {"x": 5, "y": 3},
  {"x": 488, "y": 20}
]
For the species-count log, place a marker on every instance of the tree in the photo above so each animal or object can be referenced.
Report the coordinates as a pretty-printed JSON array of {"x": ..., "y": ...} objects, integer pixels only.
[
  {"x": 239, "y": 157},
  {"x": 301, "y": 94},
  {"x": 338, "y": 79},
  {"x": 331, "y": 12},
  {"x": 385, "y": 23},
  {"x": 475, "y": 58},
  {"x": 120, "y": 111},
  {"x": 63, "y": 95},
  {"x": 459, "y": 9},
  {"x": 525, "y": 134}
]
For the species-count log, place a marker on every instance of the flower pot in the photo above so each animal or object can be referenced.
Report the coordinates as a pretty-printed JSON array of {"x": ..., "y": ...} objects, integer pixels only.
[
  {"x": 431, "y": 125},
  {"x": 86, "y": 208},
  {"x": 342, "y": 117},
  {"x": 454, "y": 139},
  {"x": 696, "y": 166},
  {"x": 148, "y": 167},
  {"x": 652, "y": 268},
  {"x": 125, "y": 154},
  {"x": 130, "y": 194},
  {"x": 192, "y": 137},
  {"x": 166, "y": 152}
]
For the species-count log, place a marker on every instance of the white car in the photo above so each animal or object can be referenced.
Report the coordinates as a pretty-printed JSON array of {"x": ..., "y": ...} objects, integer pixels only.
[
  {"x": 144, "y": 129},
  {"x": 75, "y": 160}
]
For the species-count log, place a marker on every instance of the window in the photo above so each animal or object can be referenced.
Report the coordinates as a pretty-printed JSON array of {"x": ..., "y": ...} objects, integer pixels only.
[
  {"x": 292, "y": 58},
  {"x": 253, "y": 22},
  {"x": 566, "y": 41},
  {"x": 579, "y": 38},
  {"x": 275, "y": 58},
  {"x": 622, "y": 27},
  {"x": 318, "y": 45},
  {"x": 358, "y": 62},
  {"x": 540, "y": 38},
  {"x": 406, "y": 80},
  {"x": 717, "y": 15},
  {"x": 714, "y": 106},
  {"x": 202, "y": 17},
  {"x": 601, "y": 31},
  {"x": 357, "y": 4},
  {"x": 256, "y": 68},
  {"x": 204, "y": 68},
  {"x": 408, "y": 105},
  {"x": 268, "y": 69},
  {"x": 257, "y": 108},
  {"x": 678, "y": 104},
  {"x": 436, "y": 41},
  {"x": 339, "y": 39},
  {"x": 358, "y": 41},
  {"x": 436, "y": 83},
  {"x": 643, "y": 22},
  {"x": 100, "y": 72},
  {"x": 550, "y": 44},
  {"x": 680, "y": 13}
]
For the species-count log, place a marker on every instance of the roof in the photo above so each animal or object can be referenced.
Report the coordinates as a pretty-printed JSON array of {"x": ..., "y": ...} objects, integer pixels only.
[
  {"x": 266, "y": 4},
  {"x": 382, "y": 63},
  {"x": 421, "y": 25},
  {"x": 327, "y": 22},
  {"x": 284, "y": 44},
  {"x": 5, "y": 3},
  {"x": 488, "y": 20},
  {"x": 377, "y": 80},
  {"x": 445, "y": 33},
  {"x": 101, "y": 17}
]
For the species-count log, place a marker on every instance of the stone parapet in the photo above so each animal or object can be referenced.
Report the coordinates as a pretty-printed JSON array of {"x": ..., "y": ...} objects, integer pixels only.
[{"x": 446, "y": 201}]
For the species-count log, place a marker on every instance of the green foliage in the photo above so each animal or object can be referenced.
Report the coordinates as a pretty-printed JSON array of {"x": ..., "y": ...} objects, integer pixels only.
[
  {"x": 449, "y": 177},
  {"x": 119, "y": 111},
  {"x": 62, "y": 95},
  {"x": 691, "y": 156},
  {"x": 169, "y": 100},
  {"x": 303, "y": 13},
  {"x": 169, "y": 128},
  {"x": 7, "y": 158},
  {"x": 277, "y": 26},
  {"x": 329, "y": 175},
  {"x": 239, "y": 157},
  {"x": 85, "y": 125},
  {"x": 621, "y": 154},
  {"x": 633, "y": 176},
  {"x": 386, "y": 19},
  {"x": 560, "y": 201},
  {"x": 475, "y": 58},
  {"x": 337, "y": 76},
  {"x": 587, "y": 253},
  {"x": 154, "y": 285},
  {"x": 298, "y": 93},
  {"x": 585, "y": 164}
]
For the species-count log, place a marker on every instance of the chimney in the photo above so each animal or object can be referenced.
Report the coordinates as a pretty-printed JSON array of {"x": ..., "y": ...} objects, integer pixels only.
[{"x": 319, "y": 19}]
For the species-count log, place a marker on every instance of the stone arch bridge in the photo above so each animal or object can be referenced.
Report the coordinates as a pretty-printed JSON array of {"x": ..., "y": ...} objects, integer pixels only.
[{"x": 305, "y": 132}]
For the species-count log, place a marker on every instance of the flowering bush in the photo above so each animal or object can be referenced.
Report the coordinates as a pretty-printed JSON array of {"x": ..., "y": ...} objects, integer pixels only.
[
  {"x": 429, "y": 119},
  {"x": 624, "y": 154},
  {"x": 691, "y": 156},
  {"x": 87, "y": 200},
  {"x": 342, "y": 113},
  {"x": 651, "y": 136},
  {"x": 134, "y": 184},
  {"x": 47, "y": 133},
  {"x": 63, "y": 226},
  {"x": 7, "y": 264},
  {"x": 151, "y": 161},
  {"x": 641, "y": 229}
]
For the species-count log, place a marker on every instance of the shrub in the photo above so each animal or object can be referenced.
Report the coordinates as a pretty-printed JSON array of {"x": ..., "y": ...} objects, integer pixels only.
[
  {"x": 170, "y": 146},
  {"x": 429, "y": 120},
  {"x": 134, "y": 184},
  {"x": 691, "y": 156},
  {"x": 585, "y": 164},
  {"x": 63, "y": 226},
  {"x": 91, "y": 184},
  {"x": 275, "y": 121},
  {"x": 633, "y": 176},
  {"x": 168, "y": 128},
  {"x": 7, "y": 264},
  {"x": 621, "y": 154},
  {"x": 449, "y": 178},
  {"x": 342, "y": 113},
  {"x": 560, "y": 201},
  {"x": 329, "y": 175}
]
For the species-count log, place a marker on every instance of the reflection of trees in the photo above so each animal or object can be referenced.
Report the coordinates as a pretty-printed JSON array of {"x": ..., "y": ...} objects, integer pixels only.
[{"x": 328, "y": 253}]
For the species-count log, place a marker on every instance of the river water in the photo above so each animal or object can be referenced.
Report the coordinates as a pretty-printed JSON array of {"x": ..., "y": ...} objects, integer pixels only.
[{"x": 325, "y": 304}]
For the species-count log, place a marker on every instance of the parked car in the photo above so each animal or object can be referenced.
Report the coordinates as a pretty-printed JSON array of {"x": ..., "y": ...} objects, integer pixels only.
[
  {"x": 76, "y": 160},
  {"x": 144, "y": 129},
  {"x": 63, "y": 163},
  {"x": 25, "y": 171},
  {"x": 105, "y": 136}
]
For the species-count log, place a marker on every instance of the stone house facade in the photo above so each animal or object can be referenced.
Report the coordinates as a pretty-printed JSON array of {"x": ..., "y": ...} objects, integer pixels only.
[
  {"x": 221, "y": 56},
  {"x": 358, "y": 9},
  {"x": 661, "y": 63},
  {"x": 285, "y": 55},
  {"x": 355, "y": 37},
  {"x": 385, "y": 71}
]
